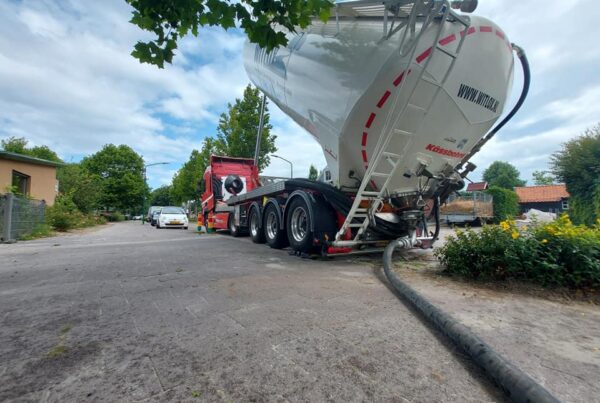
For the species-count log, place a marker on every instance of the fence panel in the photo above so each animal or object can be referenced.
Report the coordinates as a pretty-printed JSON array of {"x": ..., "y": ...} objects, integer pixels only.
[{"x": 20, "y": 216}]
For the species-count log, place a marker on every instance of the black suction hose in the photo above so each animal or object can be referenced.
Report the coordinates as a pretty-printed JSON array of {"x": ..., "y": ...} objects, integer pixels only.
[
  {"x": 515, "y": 383},
  {"x": 526, "y": 82}
]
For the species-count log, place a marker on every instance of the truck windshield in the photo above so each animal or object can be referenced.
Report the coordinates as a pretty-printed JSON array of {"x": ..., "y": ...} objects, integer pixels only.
[{"x": 172, "y": 210}]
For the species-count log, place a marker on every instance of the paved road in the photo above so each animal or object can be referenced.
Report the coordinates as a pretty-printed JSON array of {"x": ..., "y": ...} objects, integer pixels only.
[{"x": 131, "y": 313}]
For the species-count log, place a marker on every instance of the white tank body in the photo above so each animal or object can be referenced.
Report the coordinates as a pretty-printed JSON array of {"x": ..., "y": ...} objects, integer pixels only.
[{"x": 339, "y": 82}]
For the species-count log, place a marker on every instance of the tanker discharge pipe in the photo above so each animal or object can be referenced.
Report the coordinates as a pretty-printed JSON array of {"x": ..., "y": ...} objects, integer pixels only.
[{"x": 515, "y": 383}]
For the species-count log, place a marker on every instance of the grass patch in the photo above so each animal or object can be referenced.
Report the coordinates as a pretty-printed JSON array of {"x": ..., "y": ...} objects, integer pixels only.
[
  {"x": 40, "y": 231},
  {"x": 57, "y": 351}
]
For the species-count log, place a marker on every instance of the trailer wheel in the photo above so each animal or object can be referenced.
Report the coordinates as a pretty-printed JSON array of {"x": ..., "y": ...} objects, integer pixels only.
[
  {"x": 298, "y": 226},
  {"x": 273, "y": 233},
  {"x": 234, "y": 230},
  {"x": 256, "y": 233}
]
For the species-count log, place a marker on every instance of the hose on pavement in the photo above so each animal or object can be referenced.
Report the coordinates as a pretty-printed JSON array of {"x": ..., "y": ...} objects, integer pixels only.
[{"x": 515, "y": 383}]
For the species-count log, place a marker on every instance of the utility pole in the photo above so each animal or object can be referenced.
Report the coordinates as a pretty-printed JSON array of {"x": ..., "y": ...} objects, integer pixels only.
[{"x": 261, "y": 123}]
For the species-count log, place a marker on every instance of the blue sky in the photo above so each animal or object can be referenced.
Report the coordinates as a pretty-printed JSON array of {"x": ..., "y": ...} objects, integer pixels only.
[{"x": 67, "y": 81}]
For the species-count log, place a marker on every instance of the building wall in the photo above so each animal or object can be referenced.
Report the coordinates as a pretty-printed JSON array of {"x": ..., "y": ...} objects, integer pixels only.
[
  {"x": 548, "y": 207},
  {"x": 42, "y": 185}
]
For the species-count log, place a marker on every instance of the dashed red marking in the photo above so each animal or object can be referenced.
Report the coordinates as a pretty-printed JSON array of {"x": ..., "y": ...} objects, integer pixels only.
[
  {"x": 364, "y": 139},
  {"x": 423, "y": 55},
  {"x": 398, "y": 79},
  {"x": 485, "y": 28},
  {"x": 364, "y": 155},
  {"x": 374, "y": 185},
  {"x": 370, "y": 120},
  {"x": 383, "y": 99},
  {"x": 470, "y": 31},
  {"x": 499, "y": 34},
  {"x": 448, "y": 39}
]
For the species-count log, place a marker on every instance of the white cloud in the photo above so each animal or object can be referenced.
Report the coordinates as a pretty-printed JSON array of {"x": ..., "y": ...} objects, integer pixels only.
[{"x": 67, "y": 80}]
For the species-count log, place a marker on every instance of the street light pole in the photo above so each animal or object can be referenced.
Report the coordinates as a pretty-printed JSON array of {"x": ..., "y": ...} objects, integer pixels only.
[
  {"x": 144, "y": 199},
  {"x": 289, "y": 162}
]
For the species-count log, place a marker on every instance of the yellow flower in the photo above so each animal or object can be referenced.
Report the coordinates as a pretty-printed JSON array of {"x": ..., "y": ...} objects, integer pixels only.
[
  {"x": 505, "y": 225},
  {"x": 515, "y": 234},
  {"x": 544, "y": 241}
]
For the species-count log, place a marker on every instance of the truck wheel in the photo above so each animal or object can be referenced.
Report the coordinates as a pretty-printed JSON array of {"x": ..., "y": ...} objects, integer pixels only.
[
  {"x": 256, "y": 233},
  {"x": 298, "y": 226},
  {"x": 234, "y": 230},
  {"x": 273, "y": 233}
]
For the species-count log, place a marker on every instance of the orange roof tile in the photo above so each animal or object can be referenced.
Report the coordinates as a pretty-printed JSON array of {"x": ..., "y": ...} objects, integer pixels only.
[{"x": 536, "y": 194}]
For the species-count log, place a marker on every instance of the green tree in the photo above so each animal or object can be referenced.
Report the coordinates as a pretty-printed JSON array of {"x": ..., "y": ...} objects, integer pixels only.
[
  {"x": 542, "y": 178},
  {"x": 119, "y": 170},
  {"x": 185, "y": 182},
  {"x": 18, "y": 145},
  {"x": 313, "y": 173},
  {"x": 161, "y": 196},
  {"x": 83, "y": 187},
  {"x": 170, "y": 20},
  {"x": 502, "y": 174},
  {"x": 237, "y": 130},
  {"x": 577, "y": 164}
]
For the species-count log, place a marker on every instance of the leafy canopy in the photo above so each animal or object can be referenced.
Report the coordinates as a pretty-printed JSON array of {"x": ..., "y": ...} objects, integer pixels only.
[
  {"x": 313, "y": 173},
  {"x": 503, "y": 175},
  {"x": 171, "y": 20},
  {"x": 83, "y": 187},
  {"x": 18, "y": 145},
  {"x": 185, "y": 182},
  {"x": 161, "y": 196},
  {"x": 238, "y": 128},
  {"x": 542, "y": 178},
  {"x": 119, "y": 170},
  {"x": 577, "y": 164}
]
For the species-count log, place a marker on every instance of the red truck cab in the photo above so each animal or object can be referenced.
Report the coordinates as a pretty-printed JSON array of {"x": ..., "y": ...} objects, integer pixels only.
[{"x": 223, "y": 178}]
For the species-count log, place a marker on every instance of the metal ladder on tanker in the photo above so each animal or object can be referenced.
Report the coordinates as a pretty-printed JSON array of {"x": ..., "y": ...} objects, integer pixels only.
[{"x": 361, "y": 217}]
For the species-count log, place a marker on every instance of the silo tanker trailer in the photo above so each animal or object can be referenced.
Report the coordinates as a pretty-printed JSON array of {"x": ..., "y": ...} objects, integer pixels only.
[{"x": 399, "y": 94}]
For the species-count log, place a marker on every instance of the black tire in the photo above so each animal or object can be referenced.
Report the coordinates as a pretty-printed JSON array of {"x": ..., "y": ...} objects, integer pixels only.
[
  {"x": 298, "y": 226},
  {"x": 185, "y": 227},
  {"x": 157, "y": 226},
  {"x": 234, "y": 230},
  {"x": 275, "y": 237},
  {"x": 256, "y": 232}
]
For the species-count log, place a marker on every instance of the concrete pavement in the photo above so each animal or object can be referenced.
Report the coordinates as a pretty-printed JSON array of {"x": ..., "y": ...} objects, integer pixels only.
[{"x": 130, "y": 313}]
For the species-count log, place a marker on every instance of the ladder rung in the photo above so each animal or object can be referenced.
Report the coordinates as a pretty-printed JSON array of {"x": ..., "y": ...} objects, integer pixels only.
[
  {"x": 361, "y": 210},
  {"x": 446, "y": 51},
  {"x": 417, "y": 107},
  {"x": 430, "y": 81},
  {"x": 380, "y": 174},
  {"x": 403, "y": 132},
  {"x": 360, "y": 215},
  {"x": 355, "y": 225},
  {"x": 370, "y": 193},
  {"x": 391, "y": 155}
]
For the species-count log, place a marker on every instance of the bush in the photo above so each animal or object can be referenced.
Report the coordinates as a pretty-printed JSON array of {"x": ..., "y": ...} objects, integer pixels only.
[
  {"x": 114, "y": 217},
  {"x": 554, "y": 254},
  {"x": 64, "y": 215},
  {"x": 506, "y": 203}
]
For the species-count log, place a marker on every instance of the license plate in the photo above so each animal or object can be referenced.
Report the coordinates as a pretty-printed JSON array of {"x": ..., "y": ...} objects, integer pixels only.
[{"x": 175, "y": 222}]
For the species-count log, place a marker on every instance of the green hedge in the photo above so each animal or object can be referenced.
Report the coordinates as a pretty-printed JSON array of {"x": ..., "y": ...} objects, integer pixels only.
[
  {"x": 506, "y": 203},
  {"x": 554, "y": 254}
]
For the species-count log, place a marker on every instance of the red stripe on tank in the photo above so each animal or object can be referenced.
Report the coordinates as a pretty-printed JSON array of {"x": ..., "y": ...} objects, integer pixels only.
[
  {"x": 447, "y": 40},
  {"x": 364, "y": 139},
  {"x": 383, "y": 99},
  {"x": 370, "y": 120},
  {"x": 423, "y": 55}
]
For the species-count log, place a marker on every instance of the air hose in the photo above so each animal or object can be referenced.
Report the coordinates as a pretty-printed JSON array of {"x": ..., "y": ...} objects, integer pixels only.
[
  {"x": 524, "y": 91},
  {"x": 515, "y": 383}
]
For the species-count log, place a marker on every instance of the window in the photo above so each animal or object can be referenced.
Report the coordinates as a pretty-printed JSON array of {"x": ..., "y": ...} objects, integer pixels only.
[
  {"x": 565, "y": 204},
  {"x": 20, "y": 182}
]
